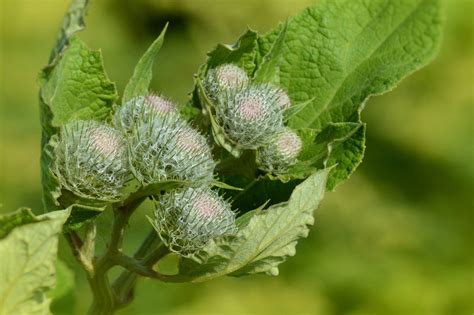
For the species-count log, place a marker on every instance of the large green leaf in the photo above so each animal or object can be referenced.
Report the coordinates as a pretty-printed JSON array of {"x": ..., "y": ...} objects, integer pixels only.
[
  {"x": 340, "y": 52},
  {"x": 141, "y": 78},
  {"x": 263, "y": 241},
  {"x": 27, "y": 266}
]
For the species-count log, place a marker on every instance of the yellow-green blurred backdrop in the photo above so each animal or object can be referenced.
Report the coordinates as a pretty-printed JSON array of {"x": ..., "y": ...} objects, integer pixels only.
[{"x": 395, "y": 239}]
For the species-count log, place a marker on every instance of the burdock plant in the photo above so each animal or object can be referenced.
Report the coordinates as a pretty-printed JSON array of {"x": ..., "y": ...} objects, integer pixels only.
[{"x": 278, "y": 115}]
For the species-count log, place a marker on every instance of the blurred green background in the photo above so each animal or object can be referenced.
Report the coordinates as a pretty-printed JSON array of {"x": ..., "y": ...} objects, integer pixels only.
[{"x": 397, "y": 238}]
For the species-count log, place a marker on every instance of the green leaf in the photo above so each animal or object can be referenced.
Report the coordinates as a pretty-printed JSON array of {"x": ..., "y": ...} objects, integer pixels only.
[
  {"x": 264, "y": 241},
  {"x": 222, "y": 185},
  {"x": 340, "y": 52},
  {"x": 269, "y": 70},
  {"x": 27, "y": 267},
  {"x": 77, "y": 86},
  {"x": 141, "y": 78},
  {"x": 242, "y": 53},
  {"x": 345, "y": 153},
  {"x": 73, "y": 22}
]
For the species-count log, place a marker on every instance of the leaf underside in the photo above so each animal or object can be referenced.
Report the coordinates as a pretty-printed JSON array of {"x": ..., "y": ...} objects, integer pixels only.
[{"x": 27, "y": 267}]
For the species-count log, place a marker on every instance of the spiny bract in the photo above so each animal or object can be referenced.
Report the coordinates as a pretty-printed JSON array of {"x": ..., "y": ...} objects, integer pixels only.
[
  {"x": 250, "y": 116},
  {"x": 188, "y": 218},
  {"x": 142, "y": 107},
  {"x": 282, "y": 99},
  {"x": 224, "y": 78},
  {"x": 91, "y": 160},
  {"x": 281, "y": 152},
  {"x": 166, "y": 149}
]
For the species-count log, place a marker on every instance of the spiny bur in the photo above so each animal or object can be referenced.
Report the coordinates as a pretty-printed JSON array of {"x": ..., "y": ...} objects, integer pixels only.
[
  {"x": 91, "y": 160},
  {"x": 225, "y": 77},
  {"x": 281, "y": 153},
  {"x": 250, "y": 116},
  {"x": 188, "y": 218},
  {"x": 169, "y": 149},
  {"x": 142, "y": 107}
]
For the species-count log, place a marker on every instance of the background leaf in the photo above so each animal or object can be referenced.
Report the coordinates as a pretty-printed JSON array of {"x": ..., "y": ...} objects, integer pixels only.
[
  {"x": 264, "y": 241},
  {"x": 27, "y": 267},
  {"x": 141, "y": 78}
]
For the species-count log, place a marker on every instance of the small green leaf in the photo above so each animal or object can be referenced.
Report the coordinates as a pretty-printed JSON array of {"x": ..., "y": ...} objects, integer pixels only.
[
  {"x": 269, "y": 70},
  {"x": 241, "y": 53},
  {"x": 223, "y": 185},
  {"x": 73, "y": 22},
  {"x": 264, "y": 241},
  {"x": 27, "y": 267},
  {"x": 141, "y": 78},
  {"x": 345, "y": 154}
]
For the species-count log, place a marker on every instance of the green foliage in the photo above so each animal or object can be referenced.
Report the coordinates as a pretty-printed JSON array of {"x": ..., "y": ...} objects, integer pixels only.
[
  {"x": 29, "y": 258},
  {"x": 141, "y": 78},
  {"x": 77, "y": 86},
  {"x": 355, "y": 50},
  {"x": 329, "y": 59}
]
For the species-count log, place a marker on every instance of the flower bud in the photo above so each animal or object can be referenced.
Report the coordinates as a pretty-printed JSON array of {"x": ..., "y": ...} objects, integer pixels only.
[
  {"x": 91, "y": 160},
  {"x": 142, "y": 107},
  {"x": 250, "y": 116},
  {"x": 224, "y": 78},
  {"x": 281, "y": 152},
  {"x": 169, "y": 149},
  {"x": 187, "y": 219}
]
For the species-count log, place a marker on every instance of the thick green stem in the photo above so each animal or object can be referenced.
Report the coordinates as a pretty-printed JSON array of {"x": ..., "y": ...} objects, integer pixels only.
[
  {"x": 104, "y": 300},
  {"x": 125, "y": 283}
]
